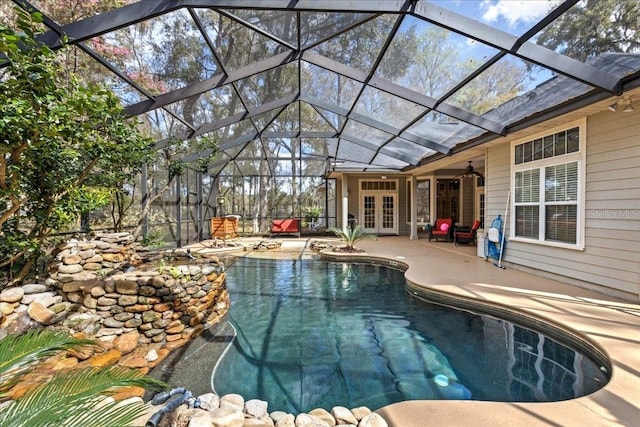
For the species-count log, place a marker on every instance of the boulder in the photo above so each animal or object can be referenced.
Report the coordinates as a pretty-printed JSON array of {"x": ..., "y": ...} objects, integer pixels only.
[
  {"x": 7, "y": 308},
  {"x": 256, "y": 408},
  {"x": 34, "y": 288},
  {"x": 343, "y": 415},
  {"x": 360, "y": 412},
  {"x": 306, "y": 420},
  {"x": 226, "y": 417},
  {"x": 11, "y": 295},
  {"x": 324, "y": 415},
  {"x": 232, "y": 401},
  {"x": 70, "y": 269},
  {"x": 41, "y": 314},
  {"x": 373, "y": 420},
  {"x": 200, "y": 419}
]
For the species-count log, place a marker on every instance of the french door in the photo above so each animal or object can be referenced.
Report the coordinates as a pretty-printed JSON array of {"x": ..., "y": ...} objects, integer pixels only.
[{"x": 379, "y": 213}]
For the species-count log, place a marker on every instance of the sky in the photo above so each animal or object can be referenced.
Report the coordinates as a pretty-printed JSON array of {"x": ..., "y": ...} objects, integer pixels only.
[
  {"x": 512, "y": 16},
  {"x": 515, "y": 12}
]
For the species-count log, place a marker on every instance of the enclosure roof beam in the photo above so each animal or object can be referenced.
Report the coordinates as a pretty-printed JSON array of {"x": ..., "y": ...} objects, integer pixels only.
[
  {"x": 296, "y": 134},
  {"x": 374, "y": 148},
  {"x": 227, "y": 121},
  {"x": 130, "y": 14},
  {"x": 526, "y": 50},
  {"x": 210, "y": 83},
  {"x": 403, "y": 92},
  {"x": 377, "y": 124},
  {"x": 134, "y": 13}
]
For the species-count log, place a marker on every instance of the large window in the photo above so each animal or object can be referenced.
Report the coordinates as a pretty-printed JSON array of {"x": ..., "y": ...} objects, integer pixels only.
[
  {"x": 546, "y": 187},
  {"x": 423, "y": 187}
]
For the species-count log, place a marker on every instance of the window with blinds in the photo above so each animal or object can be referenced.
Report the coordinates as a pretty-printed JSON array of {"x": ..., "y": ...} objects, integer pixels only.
[
  {"x": 526, "y": 199},
  {"x": 546, "y": 187},
  {"x": 561, "y": 199}
]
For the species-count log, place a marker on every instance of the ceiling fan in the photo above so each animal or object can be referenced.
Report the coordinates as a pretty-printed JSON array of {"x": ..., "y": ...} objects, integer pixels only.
[{"x": 470, "y": 172}]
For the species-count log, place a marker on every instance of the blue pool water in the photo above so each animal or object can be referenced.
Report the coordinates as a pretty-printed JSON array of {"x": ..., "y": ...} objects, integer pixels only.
[{"x": 317, "y": 334}]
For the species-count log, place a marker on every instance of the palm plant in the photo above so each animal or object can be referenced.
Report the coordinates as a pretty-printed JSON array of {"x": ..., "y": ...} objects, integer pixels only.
[
  {"x": 351, "y": 235},
  {"x": 73, "y": 398}
]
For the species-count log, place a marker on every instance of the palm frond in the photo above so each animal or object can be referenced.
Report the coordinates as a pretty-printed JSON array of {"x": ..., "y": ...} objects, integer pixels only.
[
  {"x": 111, "y": 414},
  {"x": 19, "y": 352},
  {"x": 69, "y": 396}
]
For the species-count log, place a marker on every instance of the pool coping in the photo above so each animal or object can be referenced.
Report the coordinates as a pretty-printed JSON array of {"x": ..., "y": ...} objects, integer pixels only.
[{"x": 609, "y": 325}]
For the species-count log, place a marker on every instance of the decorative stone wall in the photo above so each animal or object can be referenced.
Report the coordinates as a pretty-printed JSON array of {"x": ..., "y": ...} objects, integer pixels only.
[
  {"x": 132, "y": 302},
  {"x": 164, "y": 303}
]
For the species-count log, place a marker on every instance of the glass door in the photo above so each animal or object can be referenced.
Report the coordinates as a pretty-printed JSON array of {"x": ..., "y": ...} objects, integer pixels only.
[
  {"x": 379, "y": 213},
  {"x": 447, "y": 198},
  {"x": 369, "y": 213}
]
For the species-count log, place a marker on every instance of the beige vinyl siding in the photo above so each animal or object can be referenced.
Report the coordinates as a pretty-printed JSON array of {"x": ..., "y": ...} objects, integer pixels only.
[
  {"x": 403, "y": 227},
  {"x": 611, "y": 257},
  {"x": 466, "y": 200},
  {"x": 497, "y": 182},
  {"x": 613, "y": 198}
]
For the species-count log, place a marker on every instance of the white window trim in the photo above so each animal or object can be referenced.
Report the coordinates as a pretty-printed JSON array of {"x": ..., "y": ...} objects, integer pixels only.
[
  {"x": 580, "y": 157},
  {"x": 395, "y": 193}
]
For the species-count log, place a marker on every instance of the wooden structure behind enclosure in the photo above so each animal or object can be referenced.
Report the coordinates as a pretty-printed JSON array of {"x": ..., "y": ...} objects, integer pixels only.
[{"x": 225, "y": 227}]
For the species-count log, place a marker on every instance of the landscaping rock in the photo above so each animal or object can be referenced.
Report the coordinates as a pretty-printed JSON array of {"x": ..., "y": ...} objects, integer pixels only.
[
  {"x": 41, "y": 314},
  {"x": 34, "y": 288},
  {"x": 373, "y": 420},
  {"x": 343, "y": 415},
  {"x": 256, "y": 408},
  {"x": 200, "y": 419},
  {"x": 226, "y": 417},
  {"x": 324, "y": 415},
  {"x": 7, "y": 308},
  {"x": 11, "y": 295},
  {"x": 360, "y": 412},
  {"x": 232, "y": 401}
]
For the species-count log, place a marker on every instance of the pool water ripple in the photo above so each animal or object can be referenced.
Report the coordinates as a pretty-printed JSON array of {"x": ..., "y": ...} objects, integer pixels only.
[{"x": 317, "y": 334}]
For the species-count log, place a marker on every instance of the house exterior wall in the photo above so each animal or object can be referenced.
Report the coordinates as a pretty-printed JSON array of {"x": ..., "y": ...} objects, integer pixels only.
[
  {"x": 611, "y": 254},
  {"x": 467, "y": 194},
  {"x": 353, "y": 185}
]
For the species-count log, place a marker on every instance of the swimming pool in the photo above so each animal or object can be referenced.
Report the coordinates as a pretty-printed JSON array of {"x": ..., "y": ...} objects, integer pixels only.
[{"x": 319, "y": 334}]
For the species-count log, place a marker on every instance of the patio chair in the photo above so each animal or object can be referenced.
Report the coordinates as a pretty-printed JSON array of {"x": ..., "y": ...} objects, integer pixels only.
[
  {"x": 466, "y": 235},
  {"x": 441, "y": 229}
]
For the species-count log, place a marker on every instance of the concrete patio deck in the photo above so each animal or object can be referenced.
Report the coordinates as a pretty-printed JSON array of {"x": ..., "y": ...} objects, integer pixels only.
[{"x": 442, "y": 270}]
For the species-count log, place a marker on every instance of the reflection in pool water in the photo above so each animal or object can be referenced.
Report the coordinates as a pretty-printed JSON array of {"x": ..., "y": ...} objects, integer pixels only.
[{"x": 316, "y": 334}]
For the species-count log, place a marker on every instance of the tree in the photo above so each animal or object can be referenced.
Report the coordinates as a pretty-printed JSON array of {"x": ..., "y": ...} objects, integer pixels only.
[
  {"x": 593, "y": 27},
  {"x": 64, "y": 147},
  {"x": 72, "y": 398}
]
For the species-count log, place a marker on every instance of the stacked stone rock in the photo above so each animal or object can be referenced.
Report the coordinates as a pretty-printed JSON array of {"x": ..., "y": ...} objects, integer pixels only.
[
  {"x": 264, "y": 245},
  {"x": 29, "y": 306},
  {"x": 165, "y": 304},
  {"x": 317, "y": 246},
  {"x": 103, "y": 289}
]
